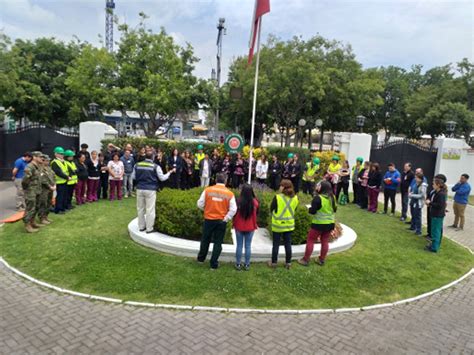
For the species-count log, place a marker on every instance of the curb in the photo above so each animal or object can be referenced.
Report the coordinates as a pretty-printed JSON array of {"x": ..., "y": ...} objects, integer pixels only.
[{"x": 234, "y": 310}]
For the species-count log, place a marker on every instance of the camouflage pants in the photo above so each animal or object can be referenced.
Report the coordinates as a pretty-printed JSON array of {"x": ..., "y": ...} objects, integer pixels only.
[
  {"x": 32, "y": 202},
  {"x": 45, "y": 203}
]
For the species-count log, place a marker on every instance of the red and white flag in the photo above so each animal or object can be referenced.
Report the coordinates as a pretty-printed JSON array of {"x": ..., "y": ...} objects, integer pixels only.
[{"x": 261, "y": 8}]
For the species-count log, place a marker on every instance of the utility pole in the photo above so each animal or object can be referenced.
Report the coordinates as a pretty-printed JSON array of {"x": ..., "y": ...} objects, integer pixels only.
[
  {"x": 221, "y": 31},
  {"x": 109, "y": 25}
]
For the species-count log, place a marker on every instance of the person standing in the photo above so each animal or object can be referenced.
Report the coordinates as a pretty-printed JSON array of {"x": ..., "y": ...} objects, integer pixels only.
[
  {"x": 363, "y": 179},
  {"x": 238, "y": 171},
  {"x": 205, "y": 171},
  {"x": 287, "y": 168},
  {"x": 197, "y": 160},
  {"x": 405, "y": 183},
  {"x": 391, "y": 180},
  {"x": 82, "y": 176},
  {"x": 245, "y": 224},
  {"x": 343, "y": 184},
  {"x": 462, "y": 191},
  {"x": 430, "y": 194},
  {"x": 116, "y": 171},
  {"x": 187, "y": 173},
  {"x": 332, "y": 174},
  {"x": 146, "y": 173},
  {"x": 373, "y": 186},
  {"x": 71, "y": 183},
  {"x": 437, "y": 204},
  {"x": 296, "y": 173},
  {"x": 175, "y": 162},
  {"x": 355, "y": 181},
  {"x": 93, "y": 177},
  {"x": 309, "y": 175},
  {"x": 219, "y": 206},
  {"x": 216, "y": 165},
  {"x": 48, "y": 186},
  {"x": 283, "y": 209},
  {"x": 275, "y": 169},
  {"x": 262, "y": 170},
  {"x": 417, "y": 196},
  {"x": 323, "y": 208},
  {"x": 104, "y": 178},
  {"x": 84, "y": 151},
  {"x": 226, "y": 167},
  {"x": 128, "y": 164},
  {"x": 17, "y": 175},
  {"x": 61, "y": 173},
  {"x": 31, "y": 184}
]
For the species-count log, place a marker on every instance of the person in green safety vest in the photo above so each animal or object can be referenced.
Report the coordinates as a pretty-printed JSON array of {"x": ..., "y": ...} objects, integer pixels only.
[
  {"x": 197, "y": 160},
  {"x": 283, "y": 209},
  {"x": 61, "y": 173},
  {"x": 356, "y": 169},
  {"x": 309, "y": 175},
  {"x": 71, "y": 183},
  {"x": 323, "y": 208}
]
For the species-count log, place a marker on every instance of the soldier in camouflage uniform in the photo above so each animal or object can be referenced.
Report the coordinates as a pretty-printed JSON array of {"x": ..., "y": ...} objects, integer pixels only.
[
  {"x": 48, "y": 185},
  {"x": 32, "y": 187}
]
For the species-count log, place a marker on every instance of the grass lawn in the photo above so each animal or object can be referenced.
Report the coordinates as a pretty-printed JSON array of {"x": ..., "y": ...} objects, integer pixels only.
[{"x": 89, "y": 250}]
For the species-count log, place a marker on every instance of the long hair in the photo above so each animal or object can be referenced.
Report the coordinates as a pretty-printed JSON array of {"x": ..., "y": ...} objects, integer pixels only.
[
  {"x": 245, "y": 203},
  {"x": 288, "y": 188},
  {"x": 326, "y": 189}
]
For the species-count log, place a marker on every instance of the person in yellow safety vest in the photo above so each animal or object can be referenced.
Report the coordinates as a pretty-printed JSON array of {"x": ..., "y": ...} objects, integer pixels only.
[
  {"x": 283, "y": 209},
  {"x": 333, "y": 172},
  {"x": 71, "y": 184},
  {"x": 197, "y": 160},
  {"x": 61, "y": 178},
  {"x": 309, "y": 175},
  {"x": 323, "y": 208},
  {"x": 356, "y": 169}
]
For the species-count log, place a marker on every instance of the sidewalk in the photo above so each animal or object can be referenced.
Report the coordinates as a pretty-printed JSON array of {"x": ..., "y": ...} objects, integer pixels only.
[
  {"x": 7, "y": 199},
  {"x": 464, "y": 237}
]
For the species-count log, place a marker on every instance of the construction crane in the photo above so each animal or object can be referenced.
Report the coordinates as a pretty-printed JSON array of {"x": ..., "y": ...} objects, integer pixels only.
[{"x": 109, "y": 25}]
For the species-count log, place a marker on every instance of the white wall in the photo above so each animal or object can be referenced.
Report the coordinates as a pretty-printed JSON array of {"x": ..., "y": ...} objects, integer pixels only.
[
  {"x": 355, "y": 145},
  {"x": 454, "y": 168},
  {"x": 92, "y": 132}
]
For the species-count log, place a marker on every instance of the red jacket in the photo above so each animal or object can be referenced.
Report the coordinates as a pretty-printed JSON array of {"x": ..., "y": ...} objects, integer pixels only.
[{"x": 247, "y": 225}]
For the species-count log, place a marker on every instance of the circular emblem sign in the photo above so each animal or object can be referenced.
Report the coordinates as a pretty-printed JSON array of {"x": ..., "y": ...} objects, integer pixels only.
[{"x": 234, "y": 143}]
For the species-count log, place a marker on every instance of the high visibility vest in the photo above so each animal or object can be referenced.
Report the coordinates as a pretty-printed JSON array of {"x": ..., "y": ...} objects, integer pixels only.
[
  {"x": 310, "y": 172},
  {"x": 72, "y": 166},
  {"x": 325, "y": 215},
  {"x": 197, "y": 159},
  {"x": 354, "y": 178},
  {"x": 62, "y": 165},
  {"x": 283, "y": 220},
  {"x": 217, "y": 202},
  {"x": 334, "y": 168}
]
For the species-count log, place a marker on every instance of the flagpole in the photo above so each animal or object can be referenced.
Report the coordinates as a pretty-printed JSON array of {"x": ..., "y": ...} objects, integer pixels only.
[{"x": 252, "y": 133}]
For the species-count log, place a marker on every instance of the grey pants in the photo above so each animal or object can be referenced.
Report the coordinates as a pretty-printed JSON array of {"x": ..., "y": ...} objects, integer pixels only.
[
  {"x": 146, "y": 209},
  {"x": 127, "y": 184},
  {"x": 20, "y": 195}
]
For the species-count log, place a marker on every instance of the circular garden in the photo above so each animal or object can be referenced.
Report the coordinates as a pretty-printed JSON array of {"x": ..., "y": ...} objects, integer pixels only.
[{"x": 89, "y": 250}]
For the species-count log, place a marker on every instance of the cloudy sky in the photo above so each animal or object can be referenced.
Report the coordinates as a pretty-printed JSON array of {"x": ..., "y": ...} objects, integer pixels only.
[{"x": 381, "y": 32}]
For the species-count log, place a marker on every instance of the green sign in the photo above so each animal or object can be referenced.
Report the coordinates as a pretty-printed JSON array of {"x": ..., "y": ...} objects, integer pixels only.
[{"x": 234, "y": 143}]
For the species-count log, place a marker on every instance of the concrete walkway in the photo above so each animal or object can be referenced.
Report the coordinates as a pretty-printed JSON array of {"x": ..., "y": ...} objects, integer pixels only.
[
  {"x": 7, "y": 199},
  {"x": 38, "y": 321}
]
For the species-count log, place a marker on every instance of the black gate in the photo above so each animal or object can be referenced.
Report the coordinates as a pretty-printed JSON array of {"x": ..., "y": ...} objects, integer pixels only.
[
  {"x": 34, "y": 137},
  {"x": 403, "y": 151}
]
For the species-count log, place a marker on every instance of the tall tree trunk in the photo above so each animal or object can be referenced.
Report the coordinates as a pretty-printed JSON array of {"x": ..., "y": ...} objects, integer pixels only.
[
  {"x": 309, "y": 139},
  {"x": 287, "y": 137},
  {"x": 321, "y": 139}
]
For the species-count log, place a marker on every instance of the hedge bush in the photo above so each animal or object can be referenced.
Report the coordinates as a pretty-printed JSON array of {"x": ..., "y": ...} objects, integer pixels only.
[
  {"x": 281, "y": 152},
  {"x": 177, "y": 214}
]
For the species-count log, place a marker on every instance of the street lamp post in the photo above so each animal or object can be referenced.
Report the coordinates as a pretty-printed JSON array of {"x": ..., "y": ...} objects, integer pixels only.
[
  {"x": 319, "y": 125},
  {"x": 93, "y": 108},
  {"x": 450, "y": 128},
  {"x": 301, "y": 124},
  {"x": 360, "y": 122}
]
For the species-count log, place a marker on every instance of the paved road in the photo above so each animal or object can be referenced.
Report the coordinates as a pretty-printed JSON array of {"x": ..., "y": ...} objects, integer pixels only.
[
  {"x": 35, "y": 320},
  {"x": 7, "y": 199}
]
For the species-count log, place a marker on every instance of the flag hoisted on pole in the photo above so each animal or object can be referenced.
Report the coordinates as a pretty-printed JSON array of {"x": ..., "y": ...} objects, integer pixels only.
[{"x": 261, "y": 8}]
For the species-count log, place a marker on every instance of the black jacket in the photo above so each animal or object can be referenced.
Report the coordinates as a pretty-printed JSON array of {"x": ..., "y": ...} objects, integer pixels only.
[
  {"x": 82, "y": 173},
  {"x": 178, "y": 164},
  {"x": 93, "y": 171},
  {"x": 275, "y": 168},
  {"x": 406, "y": 179},
  {"x": 438, "y": 203},
  {"x": 316, "y": 205},
  {"x": 375, "y": 179}
]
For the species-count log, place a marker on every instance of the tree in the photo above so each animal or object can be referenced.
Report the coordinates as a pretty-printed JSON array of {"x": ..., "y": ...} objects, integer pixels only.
[
  {"x": 36, "y": 88},
  {"x": 149, "y": 74}
]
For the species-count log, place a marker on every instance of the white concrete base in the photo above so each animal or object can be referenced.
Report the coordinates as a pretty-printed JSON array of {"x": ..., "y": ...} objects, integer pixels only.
[{"x": 261, "y": 244}]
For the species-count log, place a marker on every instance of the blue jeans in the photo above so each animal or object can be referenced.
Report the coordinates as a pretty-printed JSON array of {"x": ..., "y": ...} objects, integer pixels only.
[
  {"x": 248, "y": 245},
  {"x": 415, "y": 219}
]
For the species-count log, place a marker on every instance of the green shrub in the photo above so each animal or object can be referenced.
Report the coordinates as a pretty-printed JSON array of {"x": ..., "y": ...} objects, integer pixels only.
[{"x": 177, "y": 214}]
